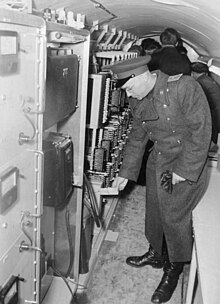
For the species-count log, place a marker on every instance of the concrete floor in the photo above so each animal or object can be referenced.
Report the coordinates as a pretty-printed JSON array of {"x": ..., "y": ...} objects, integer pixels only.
[{"x": 113, "y": 281}]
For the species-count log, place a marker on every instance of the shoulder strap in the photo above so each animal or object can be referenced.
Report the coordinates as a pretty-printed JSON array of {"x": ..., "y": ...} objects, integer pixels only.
[{"x": 174, "y": 77}]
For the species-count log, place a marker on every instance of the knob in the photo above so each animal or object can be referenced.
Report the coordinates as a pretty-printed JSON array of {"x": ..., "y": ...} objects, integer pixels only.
[{"x": 58, "y": 35}]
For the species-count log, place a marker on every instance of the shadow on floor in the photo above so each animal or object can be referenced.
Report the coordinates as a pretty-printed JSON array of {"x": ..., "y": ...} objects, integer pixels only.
[
  {"x": 80, "y": 299},
  {"x": 112, "y": 280}
]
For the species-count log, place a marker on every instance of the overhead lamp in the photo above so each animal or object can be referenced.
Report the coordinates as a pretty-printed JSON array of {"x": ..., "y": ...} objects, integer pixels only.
[{"x": 176, "y": 3}]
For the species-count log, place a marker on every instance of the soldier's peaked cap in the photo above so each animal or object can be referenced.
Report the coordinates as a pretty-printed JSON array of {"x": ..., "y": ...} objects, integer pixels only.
[{"x": 131, "y": 67}]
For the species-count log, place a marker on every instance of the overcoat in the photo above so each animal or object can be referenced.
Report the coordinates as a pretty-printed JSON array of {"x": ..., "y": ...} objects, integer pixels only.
[
  {"x": 212, "y": 92},
  {"x": 176, "y": 117}
]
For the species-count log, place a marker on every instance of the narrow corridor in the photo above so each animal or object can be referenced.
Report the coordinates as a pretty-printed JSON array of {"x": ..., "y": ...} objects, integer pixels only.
[{"x": 113, "y": 281}]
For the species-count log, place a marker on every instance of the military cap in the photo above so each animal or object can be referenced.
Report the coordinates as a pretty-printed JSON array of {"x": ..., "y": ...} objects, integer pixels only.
[{"x": 131, "y": 67}]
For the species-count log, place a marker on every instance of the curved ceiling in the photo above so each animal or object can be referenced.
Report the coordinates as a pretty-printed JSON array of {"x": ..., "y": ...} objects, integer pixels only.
[{"x": 198, "y": 21}]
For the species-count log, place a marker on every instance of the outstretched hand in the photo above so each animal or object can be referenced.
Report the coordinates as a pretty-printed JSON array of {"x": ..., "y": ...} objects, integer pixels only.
[{"x": 120, "y": 183}]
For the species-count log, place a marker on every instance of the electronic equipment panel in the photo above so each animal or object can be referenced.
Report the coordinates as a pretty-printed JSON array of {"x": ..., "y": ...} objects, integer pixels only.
[
  {"x": 61, "y": 88},
  {"x": 98, "y": 99},
  {"x": 58, "y": 169}
]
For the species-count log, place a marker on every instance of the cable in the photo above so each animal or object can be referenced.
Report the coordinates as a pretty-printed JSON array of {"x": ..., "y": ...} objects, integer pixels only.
[
  {"x": 64, "y": 279},
  {"x": 25, "y": 232},
  {"x": 92, "y": 201},
  {"x": 26, "y": 111},
  {"x": 23, "y": 224},
  {"x": 99, "y": 5},
  {"x": 75, "y": 283},
  {"x": 71, "y": 253}
]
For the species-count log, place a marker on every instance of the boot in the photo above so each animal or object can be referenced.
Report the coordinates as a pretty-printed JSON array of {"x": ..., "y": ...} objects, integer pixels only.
[
  {"x": 168, "y": 283},
  {"x": 151, "y": 258}
]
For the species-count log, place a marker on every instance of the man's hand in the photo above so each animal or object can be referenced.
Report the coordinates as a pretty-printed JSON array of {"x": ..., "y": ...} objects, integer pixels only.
[
  {"x": 120, "y": 183},
  {"x": 177, "y": 179}
]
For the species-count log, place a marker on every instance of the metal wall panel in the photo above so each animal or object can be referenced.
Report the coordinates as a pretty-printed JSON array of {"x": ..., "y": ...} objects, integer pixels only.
[{"x": 21, "y": 107}]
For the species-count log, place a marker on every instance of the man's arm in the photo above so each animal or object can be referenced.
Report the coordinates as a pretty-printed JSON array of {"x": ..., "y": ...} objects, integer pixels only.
[{"x": 197, "y": 115}]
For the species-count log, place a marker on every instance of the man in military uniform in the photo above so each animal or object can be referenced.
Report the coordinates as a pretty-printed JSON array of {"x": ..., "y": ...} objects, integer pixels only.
[
  {"x": 172, "y": 112},
  {"x": 211, "y": 88}
]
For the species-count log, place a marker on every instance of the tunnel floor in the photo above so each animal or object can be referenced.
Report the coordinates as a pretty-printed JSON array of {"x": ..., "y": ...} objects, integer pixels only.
[{"x": 115, "y": 282}]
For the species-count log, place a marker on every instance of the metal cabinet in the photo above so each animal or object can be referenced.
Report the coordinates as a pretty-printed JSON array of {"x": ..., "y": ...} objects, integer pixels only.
[
  {"x": 31, "y": 232},
  {"x": 22, "y": 44}
]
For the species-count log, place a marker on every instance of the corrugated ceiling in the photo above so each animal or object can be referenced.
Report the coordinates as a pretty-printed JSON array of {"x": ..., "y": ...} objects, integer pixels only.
[{"x": 198, "y": 21}]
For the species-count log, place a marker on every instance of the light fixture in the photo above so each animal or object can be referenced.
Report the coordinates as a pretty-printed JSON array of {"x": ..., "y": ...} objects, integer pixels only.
[{"x": 176, "y": 3}]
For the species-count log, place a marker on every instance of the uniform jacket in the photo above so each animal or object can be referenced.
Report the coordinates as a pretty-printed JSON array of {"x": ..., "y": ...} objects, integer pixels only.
[
  {"x": 212, "y": 92},
  {"x": 176, "y": 117}
]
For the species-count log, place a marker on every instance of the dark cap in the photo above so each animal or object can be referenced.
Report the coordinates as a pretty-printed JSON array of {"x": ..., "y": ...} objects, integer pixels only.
[
  {"x": 199, "y": 67},
  {"x": 136, "y": 49},
  {"x": 131, "y": 67}
]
